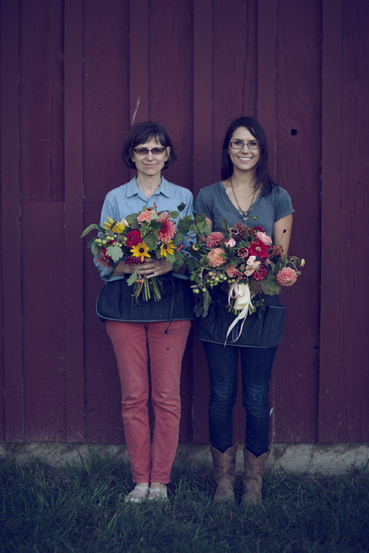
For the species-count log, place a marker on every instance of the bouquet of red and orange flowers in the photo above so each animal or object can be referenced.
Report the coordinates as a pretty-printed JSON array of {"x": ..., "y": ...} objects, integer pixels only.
[
  {"x": 149, "y": 233},
  {"x": 246, "y": 260}
]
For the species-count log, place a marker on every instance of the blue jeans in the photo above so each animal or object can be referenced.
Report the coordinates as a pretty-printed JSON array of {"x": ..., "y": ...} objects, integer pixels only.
[{"x": 256, "y": 366}]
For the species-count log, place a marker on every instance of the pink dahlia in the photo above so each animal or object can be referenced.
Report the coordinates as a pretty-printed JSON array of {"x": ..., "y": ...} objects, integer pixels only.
[
  {"x": 215, "y": 258},
  {"x": 231, "y": 243},
  {"x": 232, "y": 271},
  {"x": 167, "y": 231},
  {"x": 286, "y": 276},
  {"x": 214, "y": 239},
  {"x": 133, "y": 238},
  {"x": 144, "y": 216},
  {"x": 264, "y": 238}
]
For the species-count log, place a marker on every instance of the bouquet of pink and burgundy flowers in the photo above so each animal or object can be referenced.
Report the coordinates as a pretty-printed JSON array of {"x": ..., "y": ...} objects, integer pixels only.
[
  {"x": 139, "y": 236},
  {"x": 245, "y": 262}
]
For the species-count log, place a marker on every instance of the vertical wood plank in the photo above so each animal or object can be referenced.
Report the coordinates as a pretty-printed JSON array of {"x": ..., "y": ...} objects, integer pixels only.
[
  {"x": 139, "y": 60},
  {"x": 171, "y": 62},
  {"x": 202, "y": 94},
  {"x": 234, "y": 55},
  {"x": 10, "y": 222},
  {"x": 41, "y": 108},
  {"x": 74, "y": 221},
  {"x": 43, "y": 311},
  {"x": 298, "y": 110},
  {"x": 41, "y": 116},
  {"x": 266, "y": 62},
  {"x": 331, "y": 314},
  {"x": 353, "y": 408},
  {"x": 202, "y": 167},
  {"x": 106, "y": 120}
]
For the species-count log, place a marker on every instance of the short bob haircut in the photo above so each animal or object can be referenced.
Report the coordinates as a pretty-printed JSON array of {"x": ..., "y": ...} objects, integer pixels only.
[
  {"x": 263, "y": 179},
  {"x": 141, "y": 133}
]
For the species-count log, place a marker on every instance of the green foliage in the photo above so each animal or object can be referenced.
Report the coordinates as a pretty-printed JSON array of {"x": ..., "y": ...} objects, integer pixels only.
[
  {"x": 225, "y": 228},
  {"x": 132, "y": 218},
  {"x": 90, "y": 228},
  {"x": 270, "y": 285},
  {"x": 96, "y": 250},
  {"x": 132, "y": 279},
  {"x": 115, "y": 252}
]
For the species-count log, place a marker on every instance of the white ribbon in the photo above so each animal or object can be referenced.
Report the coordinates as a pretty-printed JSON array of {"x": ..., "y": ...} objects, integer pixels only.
[{"x": 240, "y": 293}]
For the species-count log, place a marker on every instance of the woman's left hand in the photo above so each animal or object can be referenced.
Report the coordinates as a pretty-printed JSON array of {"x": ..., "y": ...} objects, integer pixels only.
[{"x": 154, "y": 268}]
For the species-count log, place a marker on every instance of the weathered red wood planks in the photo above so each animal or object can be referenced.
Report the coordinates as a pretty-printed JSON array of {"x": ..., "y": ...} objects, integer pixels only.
[
  {"x": 298, "y": 109},
  {"x": 74, "y": 249},
  {"x": 344, "y": 379},
  {"x": 354, "y": 220},
  {"x": 71, "y": 76},
  {"x": 106, "y": 100},
  {"x": 12, "y": 362}
]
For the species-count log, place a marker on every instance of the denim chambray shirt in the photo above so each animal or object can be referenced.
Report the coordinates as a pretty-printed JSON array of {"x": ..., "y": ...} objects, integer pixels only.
[{"x": 128, "y": 198}]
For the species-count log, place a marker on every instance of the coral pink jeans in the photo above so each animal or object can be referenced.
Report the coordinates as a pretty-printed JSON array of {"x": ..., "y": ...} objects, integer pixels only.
[{"x": 146, "y": 354}]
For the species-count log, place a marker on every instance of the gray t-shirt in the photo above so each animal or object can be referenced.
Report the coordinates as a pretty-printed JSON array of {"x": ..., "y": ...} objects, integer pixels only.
[{"x": 214, "y": 202}]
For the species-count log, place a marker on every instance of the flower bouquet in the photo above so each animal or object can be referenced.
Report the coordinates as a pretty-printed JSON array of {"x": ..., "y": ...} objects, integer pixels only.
[
  {"x": 245, "y": 262},
  {"x": 147, "y": 234}
]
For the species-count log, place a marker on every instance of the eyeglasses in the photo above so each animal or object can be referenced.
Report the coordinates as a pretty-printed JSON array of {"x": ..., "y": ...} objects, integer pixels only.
[
  {"x": 145, "y": 151},
  {"x": 239, "y": 144}
]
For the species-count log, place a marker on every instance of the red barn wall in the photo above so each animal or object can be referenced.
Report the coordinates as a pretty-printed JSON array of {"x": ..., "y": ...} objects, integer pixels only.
[{"x": 74, "y": 74}]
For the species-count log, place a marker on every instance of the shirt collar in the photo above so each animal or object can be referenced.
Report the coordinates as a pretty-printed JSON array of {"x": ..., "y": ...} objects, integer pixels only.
[{"x": 132, "y": 188}]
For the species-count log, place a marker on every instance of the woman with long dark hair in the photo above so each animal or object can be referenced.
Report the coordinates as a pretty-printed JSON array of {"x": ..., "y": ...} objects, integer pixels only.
[{"x": 247, "y": 195}]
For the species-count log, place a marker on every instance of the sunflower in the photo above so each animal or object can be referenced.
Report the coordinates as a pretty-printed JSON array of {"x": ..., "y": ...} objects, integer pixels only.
[
  {"x": 115, "y": 226},
  {"x": 140, "y": 251},
  {"x": 166, "y": 248}
]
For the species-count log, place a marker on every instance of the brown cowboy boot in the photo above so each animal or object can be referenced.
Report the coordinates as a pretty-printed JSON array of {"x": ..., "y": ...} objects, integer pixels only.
[
  {"x": 224, "y": 470},
  {"x": 253, "y": 478}
]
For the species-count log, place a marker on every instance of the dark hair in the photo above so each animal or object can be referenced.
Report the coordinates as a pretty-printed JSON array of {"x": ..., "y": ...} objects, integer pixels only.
[
  {"x": 141, "y": 133},
  {"x": 263, "y": 179}
]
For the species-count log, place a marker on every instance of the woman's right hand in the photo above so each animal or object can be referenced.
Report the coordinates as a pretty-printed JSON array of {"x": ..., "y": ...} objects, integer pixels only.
[{"x": 124, "y": 269}]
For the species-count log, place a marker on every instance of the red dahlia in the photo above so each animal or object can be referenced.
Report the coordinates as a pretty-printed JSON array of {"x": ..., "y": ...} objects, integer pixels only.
[
  {"x": 133, "y": 238},
  {"x": 260, "y": 273},
  {"x": 259, "y": 249}
]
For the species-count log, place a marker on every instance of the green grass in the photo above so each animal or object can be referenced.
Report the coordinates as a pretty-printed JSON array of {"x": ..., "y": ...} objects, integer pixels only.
[{"x": 81, "y": 509}]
